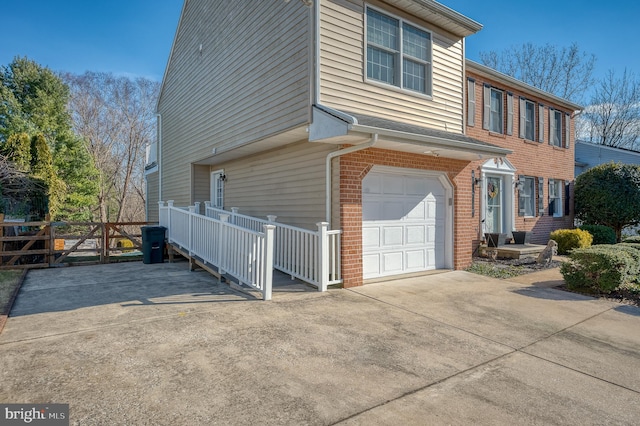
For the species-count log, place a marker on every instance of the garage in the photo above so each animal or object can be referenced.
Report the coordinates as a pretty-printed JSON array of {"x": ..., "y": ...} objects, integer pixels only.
[{"x": 406, "y": 221}]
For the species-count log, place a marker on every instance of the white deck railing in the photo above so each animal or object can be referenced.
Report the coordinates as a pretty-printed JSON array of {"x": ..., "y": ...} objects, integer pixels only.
[
  {"x": 243, "y": 253},
  {"x": 311, "y": 256}
]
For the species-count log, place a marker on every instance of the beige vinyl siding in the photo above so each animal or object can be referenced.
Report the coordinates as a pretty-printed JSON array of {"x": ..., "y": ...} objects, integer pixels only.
[
  {"x": 152, "y": 196},
  {"x": 342, "y": 84},
  {"x": 288, "y": 182},
  {"x": 201, "y": 189},
  {"x": 250, "y": 80}
]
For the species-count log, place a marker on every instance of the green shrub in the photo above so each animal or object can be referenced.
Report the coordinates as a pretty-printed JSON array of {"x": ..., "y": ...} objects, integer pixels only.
[
  {"x": 569, "y": 239},
  {"x": 600, "y": 268},
  {"x": 634, "y": 239},
  {"x": 601, "y": 234},
  {"x": 633, "y": 249}
]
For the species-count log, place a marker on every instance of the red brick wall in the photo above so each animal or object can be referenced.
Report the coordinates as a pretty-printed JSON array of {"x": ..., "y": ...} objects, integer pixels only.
[{"x": 529, "y": 158}]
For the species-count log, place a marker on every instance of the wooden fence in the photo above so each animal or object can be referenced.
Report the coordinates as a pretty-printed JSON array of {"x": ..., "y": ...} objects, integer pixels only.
[{"x": 45, "y": 244}]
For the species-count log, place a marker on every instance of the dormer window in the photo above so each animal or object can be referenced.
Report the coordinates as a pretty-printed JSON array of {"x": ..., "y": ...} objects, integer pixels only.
[{"x": 398, "y": 54}]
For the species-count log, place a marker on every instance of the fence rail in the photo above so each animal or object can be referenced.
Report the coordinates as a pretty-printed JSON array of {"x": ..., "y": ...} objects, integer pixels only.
[
  {"x": 311, "y": 256},
  {"x": 245, "y": 254},
  {"x": 43, "y": 244}
]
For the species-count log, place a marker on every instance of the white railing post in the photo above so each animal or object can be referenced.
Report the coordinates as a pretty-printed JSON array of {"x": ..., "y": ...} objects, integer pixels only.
[
  {"x": 169, "y": 208},
  {"x": 271, "y": 217},
  {"x": 268, "y": 260},
  {"x": 197, "y": 206},
  {"x": 323, "y": 252},
  {"x": 234, "y": 212},
  {"x": 224, "y": 218},
  {"x": 160, "y": 208},
  {"x": 192, "y": 210}
]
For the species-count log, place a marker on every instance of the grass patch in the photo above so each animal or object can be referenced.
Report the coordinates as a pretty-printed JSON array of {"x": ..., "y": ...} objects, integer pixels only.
[
  {"x": 495, "y": 270},
  {"x": 9, "y": 280}
]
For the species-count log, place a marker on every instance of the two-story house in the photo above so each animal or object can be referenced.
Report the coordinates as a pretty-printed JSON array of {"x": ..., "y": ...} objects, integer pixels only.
[{"x": 356, "y": 113}]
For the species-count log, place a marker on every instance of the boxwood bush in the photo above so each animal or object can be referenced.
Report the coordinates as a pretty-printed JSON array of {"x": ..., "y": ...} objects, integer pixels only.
[
  {"x": 601, "y": 234},
  {"x": 569, "y": 239},
  {"x": 602, "y": 268},
  {"x": 634, "y": 239}
]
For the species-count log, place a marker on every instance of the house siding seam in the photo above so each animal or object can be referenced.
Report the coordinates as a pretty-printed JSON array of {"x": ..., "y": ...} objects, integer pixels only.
[{"x": 530, "y": 158}]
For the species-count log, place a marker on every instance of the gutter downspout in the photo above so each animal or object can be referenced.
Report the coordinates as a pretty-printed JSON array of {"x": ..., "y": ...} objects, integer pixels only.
[
  {"x": 159, "y": 155},
  {"x": 331, "y": 156}
]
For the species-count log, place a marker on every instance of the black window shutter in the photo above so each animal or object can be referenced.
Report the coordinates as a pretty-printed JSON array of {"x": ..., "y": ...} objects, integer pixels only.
[
  {"x": 540, "y": 196},
  {"x": 567, "y": 199},
  {"x": 486, "y": 111}
]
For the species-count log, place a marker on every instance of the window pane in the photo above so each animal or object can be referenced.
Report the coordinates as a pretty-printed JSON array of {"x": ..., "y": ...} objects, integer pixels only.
[
  {"x": 496, "y": 111},
  {"x": 380, "y": 65},
  {"x": 415, "y": 43},
  {"x": 557, "y": 137},
  {"x": 413, "y": 76},
  {"x": 382, "y": 30},
  {"x": 530, "y": 118}
]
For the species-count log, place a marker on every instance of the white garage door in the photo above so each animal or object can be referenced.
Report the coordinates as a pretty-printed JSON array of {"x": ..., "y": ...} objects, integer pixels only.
[{"x": 403, "y": 223}]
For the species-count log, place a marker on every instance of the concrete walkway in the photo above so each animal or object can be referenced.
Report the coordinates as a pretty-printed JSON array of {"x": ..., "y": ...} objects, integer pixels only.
[{"x": 157, "y": 344}]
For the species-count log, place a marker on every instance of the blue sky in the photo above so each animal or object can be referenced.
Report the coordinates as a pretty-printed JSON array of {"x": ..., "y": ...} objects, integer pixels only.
[{"x": 133, "y": 37}]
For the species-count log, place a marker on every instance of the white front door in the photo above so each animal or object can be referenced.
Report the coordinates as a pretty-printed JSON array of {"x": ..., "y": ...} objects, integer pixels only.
[
  {"x": 494, "y": 217},
  {"x": 217, "y": 189},
  {"x": 404, "y": 223}
]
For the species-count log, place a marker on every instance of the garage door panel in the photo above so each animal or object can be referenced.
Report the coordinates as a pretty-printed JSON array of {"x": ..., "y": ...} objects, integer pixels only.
[
  {"x": 392, "y": 210},
  {"x": 392, "y": 236},
  {"x": 371, "y": 265},
  {"x": 415, "y": 260},
  {"x": 416, "y": 234},
  {"x": 392, "y": 262},
  {"x": 372, "y": 184},
  {"x": 370, "y": 238},
  {"x": 393, "y": 185},
  {"x": 371, "y": 210},
  {"x": 416, "y": 211}
]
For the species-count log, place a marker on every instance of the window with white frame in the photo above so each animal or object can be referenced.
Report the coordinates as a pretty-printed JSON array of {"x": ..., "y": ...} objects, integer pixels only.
[
  {"x": 497, "y": 111},
  {"x": 555, "y": 127},
  {"x": 529, "y": 120},
  {"x": 398, "y": 53},
  {"x": 555, "y": 197},
  {"x": 526, "y": 196}
]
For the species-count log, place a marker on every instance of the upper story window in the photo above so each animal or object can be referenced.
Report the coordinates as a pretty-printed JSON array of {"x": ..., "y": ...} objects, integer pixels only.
[
  {"x": 398, "y": 53},
  {"x": 555, "y": 131},
  {"x": 497, "y": 111},
  {"x": 529, "y": 120}
]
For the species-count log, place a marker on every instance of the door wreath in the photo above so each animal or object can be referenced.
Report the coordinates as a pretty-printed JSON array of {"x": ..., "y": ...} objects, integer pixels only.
[{"x": 492, "y": 190}]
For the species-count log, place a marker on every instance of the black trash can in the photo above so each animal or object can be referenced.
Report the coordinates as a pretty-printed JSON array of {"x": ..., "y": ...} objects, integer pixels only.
[{"x": 153, "y": 244}]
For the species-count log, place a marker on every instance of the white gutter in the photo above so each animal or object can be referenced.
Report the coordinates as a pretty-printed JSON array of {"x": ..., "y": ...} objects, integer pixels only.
[
  {"x": 331, "y": 156},
  {"x": 316, "y": 93},
  {"x": 159, "y": 155}
]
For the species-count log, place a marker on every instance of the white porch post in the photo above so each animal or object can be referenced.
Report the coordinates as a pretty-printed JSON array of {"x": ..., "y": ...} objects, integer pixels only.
[
  {"x": 169, "y": 208},
  {"x": 234, "y": 212},
  {"x": 197, "y": 206},
  {"x": 323, "y": 252},
  {"x": 268, "y": 260},
  {"x": 192, "y": 210},
  {"x": 224, "y": 219}
]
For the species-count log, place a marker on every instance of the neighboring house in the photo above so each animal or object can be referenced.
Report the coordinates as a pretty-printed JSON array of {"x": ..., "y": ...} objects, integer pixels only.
[
  {"x": 590, "y": 154},
  {"x": 354, "y": 113},
  {"x": 536, "y": 179}
]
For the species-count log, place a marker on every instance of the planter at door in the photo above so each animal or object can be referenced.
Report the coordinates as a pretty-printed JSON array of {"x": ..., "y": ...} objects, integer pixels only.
[
  {"x": 495, "y": 240},
  {"x": 521, "y": 237}
]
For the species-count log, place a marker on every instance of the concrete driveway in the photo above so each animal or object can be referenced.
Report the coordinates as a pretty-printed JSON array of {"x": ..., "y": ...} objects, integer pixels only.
[{"x": 157, "y": 344}]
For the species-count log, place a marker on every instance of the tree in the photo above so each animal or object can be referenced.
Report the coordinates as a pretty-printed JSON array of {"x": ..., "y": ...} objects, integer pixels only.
[
  {"x": 609, "y": 194},
  {"x": 115, "y": 116},
  {"x": 33, "y": 107},
  {"x": 613, "y": 116},
  {"x": 565, "y": 72}
]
